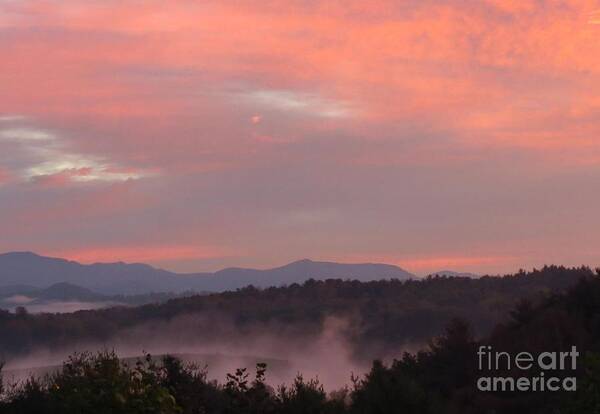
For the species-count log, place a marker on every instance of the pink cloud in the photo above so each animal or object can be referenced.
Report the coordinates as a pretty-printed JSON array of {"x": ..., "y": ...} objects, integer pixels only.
[
  {"x": 140, "y": 254},
  {"x": 446, "y": 63},
  {"x": 62, "y": 178},
  {"x": 425, "y": 264},
  {"x": 236, "y": 114},
  {"x": 5, "y": 176}
]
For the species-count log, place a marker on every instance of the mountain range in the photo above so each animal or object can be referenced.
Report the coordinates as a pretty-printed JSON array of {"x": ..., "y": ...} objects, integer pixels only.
[{"x": 26, "y": 270}]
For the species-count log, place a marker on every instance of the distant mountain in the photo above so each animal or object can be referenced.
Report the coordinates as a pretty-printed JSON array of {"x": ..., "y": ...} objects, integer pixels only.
[
  {"x": 385, "y": 316},
  {"x": 26, "y": 268},
  {"x": 301, "y": 271},
  {"x": 39, "y": 271},
  {"x": 12, "y": 290},
  {"x": 67, "y": 291}
]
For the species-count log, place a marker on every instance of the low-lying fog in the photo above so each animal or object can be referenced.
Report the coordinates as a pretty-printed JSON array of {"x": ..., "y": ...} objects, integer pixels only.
[
  {"x": 326, "y": 355},
  {"x": 34, "y": 306}
]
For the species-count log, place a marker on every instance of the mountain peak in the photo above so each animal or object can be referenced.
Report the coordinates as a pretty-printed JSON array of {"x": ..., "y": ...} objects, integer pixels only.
[
  {"x": 22, "y": 254},
  {"x": 301, "y": 261}
]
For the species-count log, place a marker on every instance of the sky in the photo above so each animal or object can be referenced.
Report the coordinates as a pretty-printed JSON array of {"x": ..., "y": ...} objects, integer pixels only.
[{"x": 193, "y": 136}]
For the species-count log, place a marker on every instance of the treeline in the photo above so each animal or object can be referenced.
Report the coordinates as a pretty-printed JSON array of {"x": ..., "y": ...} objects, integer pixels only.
[
  {"x": 383, "y": 315},
  {"x": 440, "y": 379}
]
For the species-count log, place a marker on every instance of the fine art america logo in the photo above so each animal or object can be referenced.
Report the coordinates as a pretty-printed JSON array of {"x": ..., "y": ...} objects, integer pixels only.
[{"x": 547, "y": 371}]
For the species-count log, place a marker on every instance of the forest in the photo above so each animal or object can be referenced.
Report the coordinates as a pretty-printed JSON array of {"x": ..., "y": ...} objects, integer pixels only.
[
  {"x": 380, "y": 317},
  {"x": 440, "y": 378}
]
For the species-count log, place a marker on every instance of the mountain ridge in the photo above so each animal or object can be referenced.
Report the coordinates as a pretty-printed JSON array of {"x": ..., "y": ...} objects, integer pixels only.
[{"x": 29, "y": 268}]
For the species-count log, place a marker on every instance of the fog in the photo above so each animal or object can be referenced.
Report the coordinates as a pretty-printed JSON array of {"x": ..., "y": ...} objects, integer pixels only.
[
  {"x": 214, "y": 342},
  {"x": 34, "y": 306}
]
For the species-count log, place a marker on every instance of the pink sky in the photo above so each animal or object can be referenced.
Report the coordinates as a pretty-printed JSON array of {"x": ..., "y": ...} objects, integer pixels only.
[{"x": 200, "y": 135}]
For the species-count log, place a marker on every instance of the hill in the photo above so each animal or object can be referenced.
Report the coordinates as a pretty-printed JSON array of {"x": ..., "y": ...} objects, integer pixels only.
[
  {"x": 373, "y": 318},
  {"x": 442, "y": 377},
  {"x": 26, "y": 268}
]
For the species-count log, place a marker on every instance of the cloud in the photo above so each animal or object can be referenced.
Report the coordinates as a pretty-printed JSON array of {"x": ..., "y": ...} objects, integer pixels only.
[
  {"x": 25, "y": 134},
  {"x": 140, "y": 253},
  {"x": 11, "y": 118},
  {"x": 45, "y": 158},
  {"x": 434, "y": 128},
  {"x": 65, "y": 307},
  {"x": 5, "y": 176},
  {"x": 303, "y": 103}
]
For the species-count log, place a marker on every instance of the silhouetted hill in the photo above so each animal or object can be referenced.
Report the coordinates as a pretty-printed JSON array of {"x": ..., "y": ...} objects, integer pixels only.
[
  {"x": 129, "y": 279},
  {"x": 11, "y": 290},
  {"x": 67, "y": 291},
  {"x": 442, "y": 377},
  {"x": 302, "y": 270},
  {"x": 110, "y": 278},
  {"x": 382, "y": 314}
]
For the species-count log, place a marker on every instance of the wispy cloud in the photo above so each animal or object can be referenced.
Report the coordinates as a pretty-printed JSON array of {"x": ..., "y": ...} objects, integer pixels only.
[
  {"x": 46, "y": 158},
  {"x": 12, "y": 118},
  {"x": 26, "y": 134},
  {"x": 298, "y": 102}
]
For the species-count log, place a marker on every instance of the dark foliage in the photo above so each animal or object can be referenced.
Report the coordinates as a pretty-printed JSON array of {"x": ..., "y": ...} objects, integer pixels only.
[
  {"x": 439, "y": 379},
  {"x": 384, "y": 314}
]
